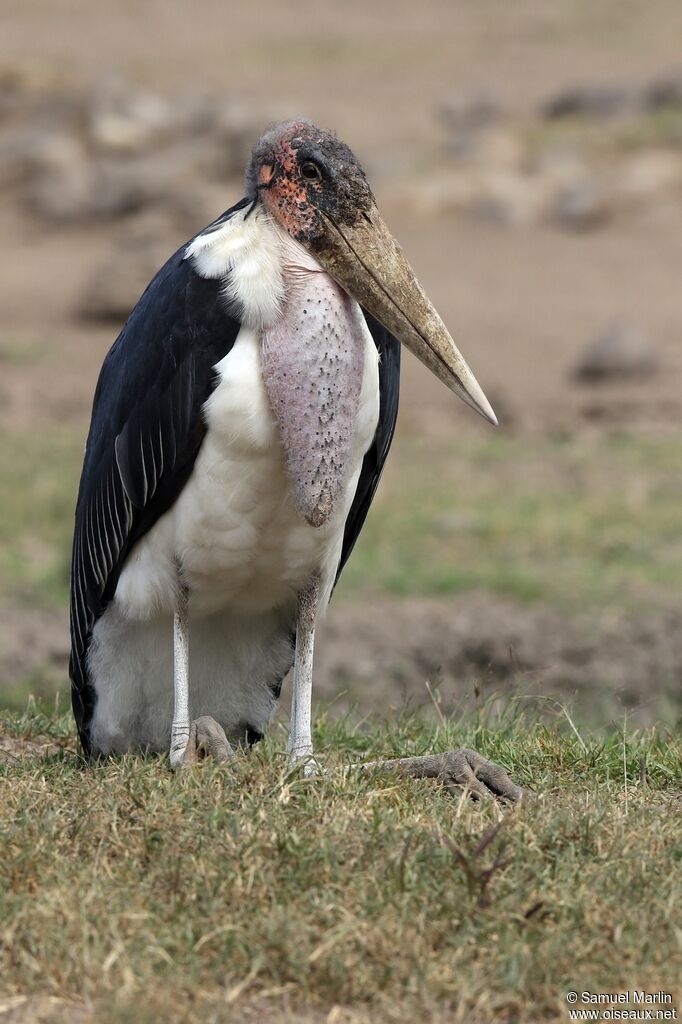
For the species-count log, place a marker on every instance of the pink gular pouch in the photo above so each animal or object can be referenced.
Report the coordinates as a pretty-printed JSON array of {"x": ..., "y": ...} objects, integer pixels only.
[{"x": 312, "y": 361}]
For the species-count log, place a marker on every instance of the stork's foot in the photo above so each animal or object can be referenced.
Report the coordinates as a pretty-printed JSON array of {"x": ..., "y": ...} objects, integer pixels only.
[
  {"x": 303, "y": 758},
  {"x": 457, "y": 769},
  {"x": 207, "y": 739}
]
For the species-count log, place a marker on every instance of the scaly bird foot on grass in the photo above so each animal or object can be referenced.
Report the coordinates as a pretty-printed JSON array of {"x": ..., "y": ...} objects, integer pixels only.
[
  {"x": 462, "y": 769},
  {"x": 207, "y": 739},
  {"x": 455, "y": 769}
]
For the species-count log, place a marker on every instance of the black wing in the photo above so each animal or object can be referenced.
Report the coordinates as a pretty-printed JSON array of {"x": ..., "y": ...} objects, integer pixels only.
[
  {"x": 145, "y": 433},
  {"x": 373, "y": 463}
]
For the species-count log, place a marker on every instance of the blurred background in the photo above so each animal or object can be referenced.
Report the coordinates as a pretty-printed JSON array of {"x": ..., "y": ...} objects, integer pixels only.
[{"x": 529, "y": 158}]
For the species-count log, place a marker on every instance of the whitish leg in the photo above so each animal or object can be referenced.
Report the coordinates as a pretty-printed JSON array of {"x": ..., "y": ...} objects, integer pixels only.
[
  {"x": 181, "y": 725},
  {"x": 300, "y": 734},
  {"x": 190, "y": 742}
]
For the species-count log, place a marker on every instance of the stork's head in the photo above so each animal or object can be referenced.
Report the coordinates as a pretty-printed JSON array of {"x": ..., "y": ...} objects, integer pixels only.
[{"x": 313, "y": 186}]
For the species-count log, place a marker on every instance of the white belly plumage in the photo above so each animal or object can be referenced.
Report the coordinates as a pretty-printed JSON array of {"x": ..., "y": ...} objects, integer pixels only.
[{"x": 245, "y": 554}]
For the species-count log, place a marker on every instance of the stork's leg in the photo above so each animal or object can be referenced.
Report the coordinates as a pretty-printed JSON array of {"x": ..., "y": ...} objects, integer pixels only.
[
  {"x": 457, "y": 769},
  {"x": 204, "y": 737},
  {"x": 300, "y": 731},
  {"x": 181, "y": 725}
]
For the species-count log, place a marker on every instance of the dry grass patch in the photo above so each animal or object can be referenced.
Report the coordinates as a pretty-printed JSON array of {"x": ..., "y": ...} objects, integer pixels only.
[{"x": 218, "y": 896}]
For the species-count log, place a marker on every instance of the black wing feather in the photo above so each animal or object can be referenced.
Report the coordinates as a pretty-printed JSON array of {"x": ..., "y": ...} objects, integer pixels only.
[
  {"x": 388, "y": 348},
  {"x": 145, "y": 433}
]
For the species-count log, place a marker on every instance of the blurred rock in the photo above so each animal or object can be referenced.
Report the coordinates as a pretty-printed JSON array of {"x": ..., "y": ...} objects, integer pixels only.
[
  {"x": 498, "y": 147},
  {"x": 435, "y": 194},
  {"x": 12, "y": 90},
  {"x": 581, "y": 206},
  {"x": 621, "y": 352},
  {"x": 469, "y": 110},
  {"x": 121, "y": 118},
  {"x": 21, "y": 149},
  {"x": 139, "y": 123},
  {"x": 589, "y": 101},
  {"x": 76, "y": 156},
  {"x": 561, "y": 165},
  {"x": 467, "y": 117},
  {"x": 488, "y": 146},
  {"x": 62, "y": 180},
  {"x": 664, "y": 92},
  {"x": 36, "y": 96},
  {"x": 72, "y": 188},
  {"x": 511, "y": 199},
  {"x": 120, "y": 279},
  {"x": 79, "y": 157},
  {"x": 648, "y": 175}
]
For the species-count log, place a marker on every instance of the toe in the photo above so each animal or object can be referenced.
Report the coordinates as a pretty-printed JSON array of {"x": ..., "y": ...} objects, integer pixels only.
[
  {"x": 456, "y": 769},
  {"x": 304, "y": 761},
  {"x": 207, "y": 739},
  {"x": 211, "y": 741},
  {"x": 467, "y": 768}
]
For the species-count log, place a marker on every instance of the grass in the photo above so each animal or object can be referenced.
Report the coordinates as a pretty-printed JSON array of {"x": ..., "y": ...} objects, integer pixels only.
[
  {"x": 573, "y": 522},
  {"x": 576, "y": 522},
  {"x": 39, "y": 473},
  {"x": 261, "y": 896}
]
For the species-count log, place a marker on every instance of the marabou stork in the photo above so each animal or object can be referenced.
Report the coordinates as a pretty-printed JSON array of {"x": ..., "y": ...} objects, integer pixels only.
[{"x": 239, "y": 429}]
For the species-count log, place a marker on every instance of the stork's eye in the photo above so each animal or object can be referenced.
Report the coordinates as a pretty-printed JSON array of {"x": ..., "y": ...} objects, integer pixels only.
[{"x": 311, "y": 171}]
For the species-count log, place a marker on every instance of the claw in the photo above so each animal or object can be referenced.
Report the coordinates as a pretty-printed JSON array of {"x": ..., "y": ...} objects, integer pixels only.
[{"x": 207, "y": 739}]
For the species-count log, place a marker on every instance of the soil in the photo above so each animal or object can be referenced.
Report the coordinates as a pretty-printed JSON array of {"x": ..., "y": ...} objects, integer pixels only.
[
  {"x": 467, "y": 649},
  {"x": 475, "y": 647},
  {"x": 13, "y": 749}
]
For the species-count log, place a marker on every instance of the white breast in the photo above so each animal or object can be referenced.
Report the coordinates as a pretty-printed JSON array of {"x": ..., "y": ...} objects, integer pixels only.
[{"x": 234, "y": 528}]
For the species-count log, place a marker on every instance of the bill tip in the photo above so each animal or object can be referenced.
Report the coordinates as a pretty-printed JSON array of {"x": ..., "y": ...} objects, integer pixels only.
[{"x": 490, "y": 414}]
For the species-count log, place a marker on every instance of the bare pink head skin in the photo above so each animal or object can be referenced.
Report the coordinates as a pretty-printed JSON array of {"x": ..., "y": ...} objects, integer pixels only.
[
  {"x": 314, "y": 188},
  {"x": 304, "y": 175}
]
